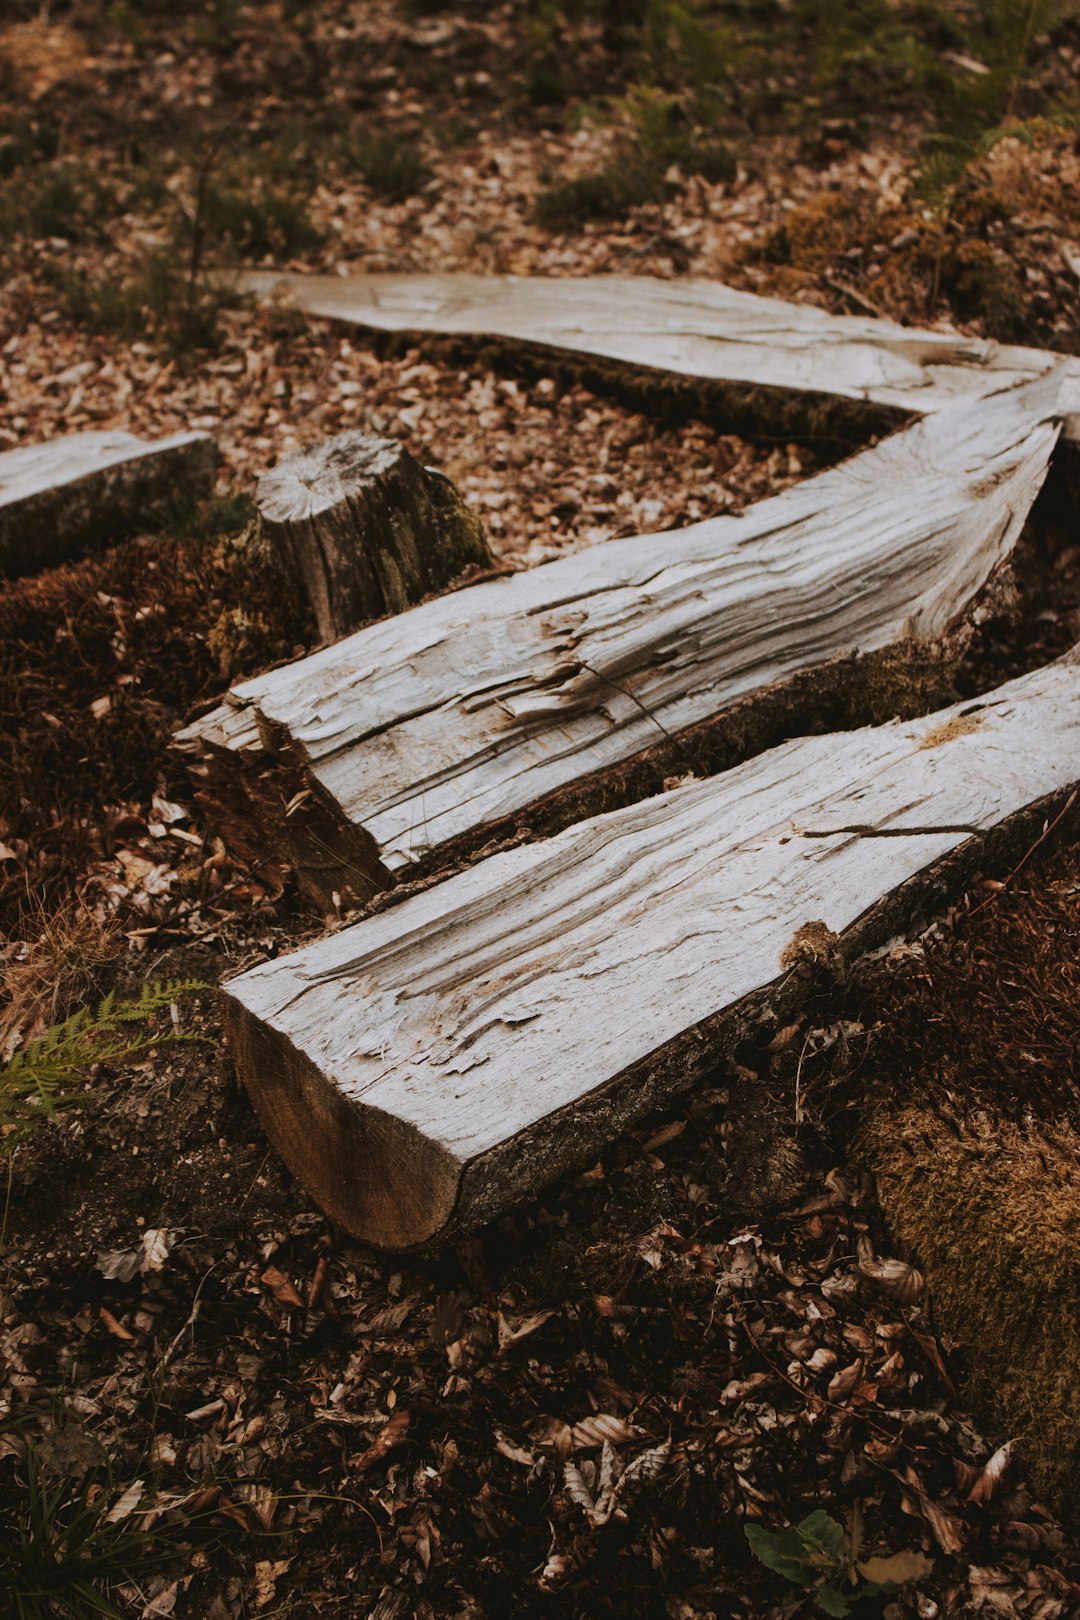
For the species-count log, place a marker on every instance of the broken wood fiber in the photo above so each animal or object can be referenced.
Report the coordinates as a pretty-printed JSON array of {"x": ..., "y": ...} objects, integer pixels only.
[
  {"x": 89, "y": 490},
  {"x": 431, "y": 1065},
  {"x": 852, "y": 595},
  {"x": 367, "y": 528}
]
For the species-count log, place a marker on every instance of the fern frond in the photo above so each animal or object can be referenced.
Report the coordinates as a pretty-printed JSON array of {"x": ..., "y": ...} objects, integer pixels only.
[{"x": 49, "y": 1073}]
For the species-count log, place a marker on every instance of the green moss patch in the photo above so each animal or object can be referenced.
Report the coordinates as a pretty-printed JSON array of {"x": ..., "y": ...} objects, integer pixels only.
[{"x": 990, "y": 1208}]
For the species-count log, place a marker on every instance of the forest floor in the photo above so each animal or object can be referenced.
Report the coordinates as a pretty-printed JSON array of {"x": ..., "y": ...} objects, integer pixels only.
[{"x": 215, "y": 1405}]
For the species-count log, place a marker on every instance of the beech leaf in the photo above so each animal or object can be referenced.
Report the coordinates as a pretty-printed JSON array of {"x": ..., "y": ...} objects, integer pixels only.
[{"x": 896, "y": 1570}]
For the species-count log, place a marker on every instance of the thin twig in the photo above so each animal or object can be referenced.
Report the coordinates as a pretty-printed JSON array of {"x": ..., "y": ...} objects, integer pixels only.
[{"x": 1043, "y": 836}]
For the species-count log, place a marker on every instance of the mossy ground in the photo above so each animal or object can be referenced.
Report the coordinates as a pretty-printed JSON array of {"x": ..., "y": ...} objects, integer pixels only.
[
  {"x": 990, "y": 1208},
  {"x": 960, "y": 1095}
]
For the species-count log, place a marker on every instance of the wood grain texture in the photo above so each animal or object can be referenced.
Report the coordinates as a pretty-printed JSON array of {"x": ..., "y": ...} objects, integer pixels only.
[
  {"x": 423, "y": 732},
  {"x": 90, "y": 489},
  {"x": 428, "y": 1066},
  {"x": 687, "y": 328},
  {"x": 367, "y": 529}
]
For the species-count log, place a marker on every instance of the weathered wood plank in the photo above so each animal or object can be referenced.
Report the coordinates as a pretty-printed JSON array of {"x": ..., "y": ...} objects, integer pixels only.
[
  {"x": 426, "y": 731},
  {"x": 367, "y": 529},
  {"x": 59, "y": 498},
  {"x": 428, "y": 1066},
  {"x": 688, "y": 328}
]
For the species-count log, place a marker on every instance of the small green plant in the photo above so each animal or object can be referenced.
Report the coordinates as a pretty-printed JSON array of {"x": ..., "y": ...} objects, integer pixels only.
[
  {"x": 218, "y": 23},
  {"x": 66, "y": 1547},
  {"x": 977, "y": 109},
  {"x": 26, "y": 143},
  {"x": 49, "y": 1073},
  {"x": 608, "y": 193},
  {"x": 127, "y": 24},
  {"x": 391, "y": 164},
  {"x": 158, "y": 299},
  {"x": 258, "y": 219},
  {"x": 820, "y": 1554},
  {"x": 64, "y": 200}
]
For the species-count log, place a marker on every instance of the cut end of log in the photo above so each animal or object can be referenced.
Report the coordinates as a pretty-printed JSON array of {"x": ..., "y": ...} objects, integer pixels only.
[
  {"x": 367, "y": 529},
  {"x": 369, "y": 1174}
]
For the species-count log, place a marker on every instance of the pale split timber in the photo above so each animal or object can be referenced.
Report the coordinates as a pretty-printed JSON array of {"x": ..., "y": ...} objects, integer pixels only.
[
  {"x": 425, "y": 732},
  {"x": 768, "y": 354},
  {"x": 429, "y": 1066},
  {"x": 88, "y": 490}
]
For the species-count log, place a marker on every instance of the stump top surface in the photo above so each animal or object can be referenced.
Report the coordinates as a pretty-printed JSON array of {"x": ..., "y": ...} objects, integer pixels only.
[{"x": 316, "y": 480}]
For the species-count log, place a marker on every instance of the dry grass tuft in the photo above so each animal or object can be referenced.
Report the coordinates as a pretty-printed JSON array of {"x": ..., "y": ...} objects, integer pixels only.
[{"x": 65, "y": 965}]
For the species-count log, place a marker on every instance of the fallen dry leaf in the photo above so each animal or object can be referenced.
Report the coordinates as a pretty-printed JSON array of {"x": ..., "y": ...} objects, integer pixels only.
[
  {"x": 281, "y": 1288},
  {"x": 392, "y": 1433},
  {"x": 164, "y": 1604},
  {"x": 126, "y": 1505},
  {"x": 512, "y": 1331},
  {"x": 514, "y": 1453},
  {"x": 895, "y": 1278},
  {"x": 117, "y": 1329},
  {"x": 602, "y": 1427},
  {"x": 267, "y": 1573},
  {"x": 992, "y": 1473}
]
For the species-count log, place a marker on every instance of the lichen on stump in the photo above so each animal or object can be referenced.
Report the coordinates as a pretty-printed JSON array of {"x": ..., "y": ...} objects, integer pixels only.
[{"x": 367, "y": 529}]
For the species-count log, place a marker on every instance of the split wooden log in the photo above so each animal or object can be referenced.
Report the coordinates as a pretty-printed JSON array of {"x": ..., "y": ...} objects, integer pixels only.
[
  {"x": 88, "y": 490},
  {"x": 367, "y": 529},
  {"x": 848, "y": 598},
  {"x": 431, "y": 1065},
  {"x": 769, "y": 365}
]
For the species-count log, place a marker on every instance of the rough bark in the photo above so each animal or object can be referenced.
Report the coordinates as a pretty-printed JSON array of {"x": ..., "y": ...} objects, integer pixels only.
[
  {"x": 847, "y": 598},
  {"x": 89, "y": 490},
  {"x": 367, "y": 529},
  {"x": 431, "y": 1065}
]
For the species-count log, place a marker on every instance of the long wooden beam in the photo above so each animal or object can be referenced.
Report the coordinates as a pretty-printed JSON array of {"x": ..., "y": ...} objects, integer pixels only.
[
  {"x": 780, "y": 363},
  {"x": 850, "y": 595},
  {"x": 427, "y": 1067}
]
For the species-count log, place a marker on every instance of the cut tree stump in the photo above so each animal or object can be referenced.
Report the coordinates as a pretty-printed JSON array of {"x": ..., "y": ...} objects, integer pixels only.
[
  {"x": 88, "y": 490},
  {"x": 769, "y": 365},
  {"x": 848, "y": 598},
  {"x": 367, "y": 529},
  {"x": 429, "y": 1066}
]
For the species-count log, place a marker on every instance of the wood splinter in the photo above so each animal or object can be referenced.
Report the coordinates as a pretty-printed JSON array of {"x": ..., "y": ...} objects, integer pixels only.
[{"x": 367, "y": 529}]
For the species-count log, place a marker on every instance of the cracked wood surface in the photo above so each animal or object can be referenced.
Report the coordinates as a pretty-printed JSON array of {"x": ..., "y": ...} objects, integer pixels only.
[
  {"x": 428, "y": 1066},
  {"x": 87, "y": 489},
  {"x": 685, "y": 328},
  {"x": 423, "y": 731}
]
